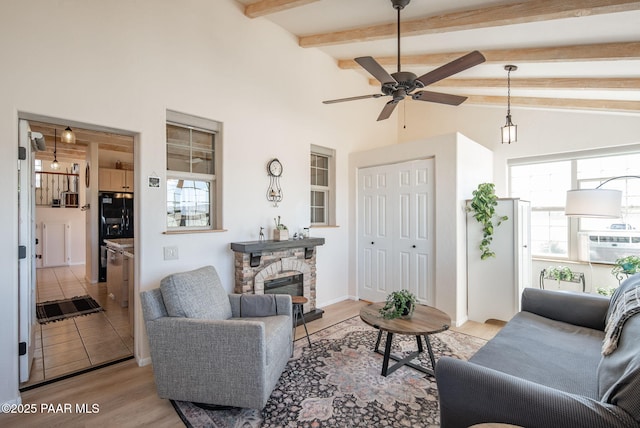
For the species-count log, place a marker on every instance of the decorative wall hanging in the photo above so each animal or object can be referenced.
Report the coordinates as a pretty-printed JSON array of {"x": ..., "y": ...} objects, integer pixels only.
[{"x": 274, "y": 192}]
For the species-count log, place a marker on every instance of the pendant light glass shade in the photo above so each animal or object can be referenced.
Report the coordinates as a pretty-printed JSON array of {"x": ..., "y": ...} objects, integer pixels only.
[
  {"x": 68, "y": 136},
  {"x": 509, "y": 131}
]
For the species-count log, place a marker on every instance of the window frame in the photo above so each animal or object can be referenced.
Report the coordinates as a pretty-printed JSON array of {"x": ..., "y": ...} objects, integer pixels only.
[
  {"x": 329, "y": 190},
  {"x": 195, "y": 123},
  {"x": 573, "y": 223}
]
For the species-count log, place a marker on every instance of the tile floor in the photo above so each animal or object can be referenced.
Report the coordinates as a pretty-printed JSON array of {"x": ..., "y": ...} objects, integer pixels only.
[{"x": 78, "y": 343}]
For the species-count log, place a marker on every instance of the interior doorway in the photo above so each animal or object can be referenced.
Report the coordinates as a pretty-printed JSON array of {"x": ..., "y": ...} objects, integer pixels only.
[{"x": 66, "y": 250}]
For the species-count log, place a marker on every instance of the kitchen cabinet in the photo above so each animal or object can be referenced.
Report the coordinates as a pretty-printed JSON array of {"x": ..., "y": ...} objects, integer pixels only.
[
  {"x": 115, "y": 180},
  {"x": 129, "y": 260},
  {"x": 118, "y": 270}
]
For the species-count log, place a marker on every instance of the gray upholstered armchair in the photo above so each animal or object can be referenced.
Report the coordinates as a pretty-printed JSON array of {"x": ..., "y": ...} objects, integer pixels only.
[{"x": 214, "y": 348}]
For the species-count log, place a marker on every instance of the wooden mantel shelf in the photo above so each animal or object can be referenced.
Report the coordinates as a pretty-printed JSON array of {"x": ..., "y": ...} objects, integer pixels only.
[{"x": 256, "y": 247}]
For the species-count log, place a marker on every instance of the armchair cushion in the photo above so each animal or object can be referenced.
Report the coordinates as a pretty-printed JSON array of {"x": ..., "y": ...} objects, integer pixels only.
[{"x": 196, "y": 294}]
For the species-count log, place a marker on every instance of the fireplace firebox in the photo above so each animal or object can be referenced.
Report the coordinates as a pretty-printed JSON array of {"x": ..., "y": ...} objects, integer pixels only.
[{"x": 292, "y": 285}]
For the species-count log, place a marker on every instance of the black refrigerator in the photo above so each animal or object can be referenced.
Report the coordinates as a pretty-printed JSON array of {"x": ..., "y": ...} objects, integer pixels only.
[{"x": 115, "y": 222}]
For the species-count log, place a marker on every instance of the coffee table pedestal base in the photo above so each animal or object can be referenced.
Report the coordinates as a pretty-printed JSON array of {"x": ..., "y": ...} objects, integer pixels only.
[{"x": 406, "y": 361}]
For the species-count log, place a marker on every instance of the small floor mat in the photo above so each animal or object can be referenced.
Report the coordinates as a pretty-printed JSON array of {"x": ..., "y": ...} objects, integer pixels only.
[{"x": 66, "y": 308}]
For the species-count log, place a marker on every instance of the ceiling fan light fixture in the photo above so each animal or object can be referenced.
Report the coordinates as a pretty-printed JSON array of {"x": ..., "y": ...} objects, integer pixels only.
[
  {"x": 68, "y": 136},
  {"x": 509, "y": 131}
]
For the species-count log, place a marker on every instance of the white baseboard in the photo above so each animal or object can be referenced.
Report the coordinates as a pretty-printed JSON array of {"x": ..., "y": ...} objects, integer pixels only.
[
  {"x": 143, "y": 361},
  {"x": 458, "y": 323},
  {"x": 338, "y": 300}
]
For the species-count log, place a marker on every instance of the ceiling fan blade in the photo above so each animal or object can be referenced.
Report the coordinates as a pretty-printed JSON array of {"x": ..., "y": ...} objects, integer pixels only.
[
  {"x": 361, "y": 97},
  {"x": 437, "y": 97},
  {"x": 387, "y": 110},
  {"x": 375, "y": 69},
  {"x": 456, "y": 66}
]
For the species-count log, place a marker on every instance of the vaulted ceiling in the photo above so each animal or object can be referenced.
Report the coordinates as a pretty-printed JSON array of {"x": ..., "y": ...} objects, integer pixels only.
[{"x": 571, "y": 54}]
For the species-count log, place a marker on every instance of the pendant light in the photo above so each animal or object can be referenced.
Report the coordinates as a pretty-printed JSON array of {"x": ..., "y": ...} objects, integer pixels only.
[
  {"x": 68, "y": 136},
  {"x": 55, "y": 165},
  {"x": 509, "y": 130}
]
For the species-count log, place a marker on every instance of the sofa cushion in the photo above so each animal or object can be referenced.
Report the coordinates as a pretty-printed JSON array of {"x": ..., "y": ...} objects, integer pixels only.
[
  {"x": 619, "y": 372},
  {"x": 548, "y": 352},
  {"x": 196, "y": 294}
]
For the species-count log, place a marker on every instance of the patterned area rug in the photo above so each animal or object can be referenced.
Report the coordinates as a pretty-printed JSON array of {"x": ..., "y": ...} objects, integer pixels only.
[
  {"x": 337, "y": 383},
  {"x": 66, "y": 308}
]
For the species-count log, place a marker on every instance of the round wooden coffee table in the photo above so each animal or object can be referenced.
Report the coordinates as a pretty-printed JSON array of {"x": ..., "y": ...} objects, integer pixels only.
[{"x": 425, "y": 321}]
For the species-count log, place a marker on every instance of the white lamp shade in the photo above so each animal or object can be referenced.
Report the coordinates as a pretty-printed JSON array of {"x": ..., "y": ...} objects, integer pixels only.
[{"x": 600, "y": 203}]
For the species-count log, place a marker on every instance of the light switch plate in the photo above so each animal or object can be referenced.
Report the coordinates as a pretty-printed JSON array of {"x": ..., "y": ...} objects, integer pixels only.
[{"x": 171, "y": 253}]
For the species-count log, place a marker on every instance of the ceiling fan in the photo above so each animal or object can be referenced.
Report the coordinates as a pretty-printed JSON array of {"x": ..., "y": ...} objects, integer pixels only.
[{"x": 401, "y": 84}]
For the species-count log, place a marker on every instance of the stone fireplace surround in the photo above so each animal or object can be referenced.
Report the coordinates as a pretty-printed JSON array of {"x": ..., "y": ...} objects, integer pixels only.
[{"x": 260, "y": 261}]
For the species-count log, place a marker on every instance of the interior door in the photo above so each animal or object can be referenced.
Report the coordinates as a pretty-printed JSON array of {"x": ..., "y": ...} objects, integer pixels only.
[
  {"x": 27, "y": 322},
  {"x": 375, "y": 234},
  {"x": 395, "y": 230},
  {"x": 414, "y": 221}
]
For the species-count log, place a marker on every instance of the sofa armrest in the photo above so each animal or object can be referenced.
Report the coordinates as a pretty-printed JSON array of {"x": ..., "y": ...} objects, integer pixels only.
[
  {"x": 260, "y": 305},
  {"x": 586, "y": 310},
  {"x": 220, "y": 345},
  {"x": 471, "y": 394}
]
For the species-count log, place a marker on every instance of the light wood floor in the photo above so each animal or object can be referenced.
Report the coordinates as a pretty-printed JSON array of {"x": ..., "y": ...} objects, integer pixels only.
[{"x": 126, "y": 395}]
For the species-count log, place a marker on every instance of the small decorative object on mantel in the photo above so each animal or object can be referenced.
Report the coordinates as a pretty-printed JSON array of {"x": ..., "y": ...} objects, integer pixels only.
[
  {"x": 399, "y": 304},
  {"x": 274, "y": 192},
  {"x": 281, "y": 233},
  {"x": 261, "y": 236}
]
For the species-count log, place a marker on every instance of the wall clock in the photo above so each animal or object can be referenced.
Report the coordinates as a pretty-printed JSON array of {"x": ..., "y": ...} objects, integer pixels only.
[
  {"x": 274, "y": 192},
  {"x": 275, "y": 168}
]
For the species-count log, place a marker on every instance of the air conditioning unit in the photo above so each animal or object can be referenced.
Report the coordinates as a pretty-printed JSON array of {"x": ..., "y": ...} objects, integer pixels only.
[{"x": 606, "y": 247}]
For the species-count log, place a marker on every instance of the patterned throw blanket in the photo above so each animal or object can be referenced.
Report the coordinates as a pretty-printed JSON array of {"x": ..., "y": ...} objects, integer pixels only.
[{"x": 626, "y": 305}]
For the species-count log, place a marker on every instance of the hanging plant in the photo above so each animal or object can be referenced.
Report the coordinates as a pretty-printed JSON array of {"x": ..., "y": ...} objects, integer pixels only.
[{"x": 483, "y": 206}]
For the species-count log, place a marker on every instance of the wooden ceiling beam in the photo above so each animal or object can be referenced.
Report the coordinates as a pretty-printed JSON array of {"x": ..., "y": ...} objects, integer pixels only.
[
  {"x": 557, "y": 103},
  {"x": 621, "y": 83},
  {"x": 592, "y": 52},
  {"x": 266, "y": 7},
  {"x": 492, "y": 16}
]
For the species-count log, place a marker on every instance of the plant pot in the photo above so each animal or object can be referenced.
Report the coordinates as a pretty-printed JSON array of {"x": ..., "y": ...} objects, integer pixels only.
[
  {"x": 280, "y": 235},
  {"x": 406, "y": 313}
]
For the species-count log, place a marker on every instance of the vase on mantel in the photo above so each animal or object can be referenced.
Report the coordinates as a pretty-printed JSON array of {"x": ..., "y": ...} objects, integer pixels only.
[{"x": 281, "y": 235}]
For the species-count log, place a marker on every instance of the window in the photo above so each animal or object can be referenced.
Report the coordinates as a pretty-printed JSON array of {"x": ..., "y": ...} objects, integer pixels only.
[
  {"x": 193, "y": 173},
  {"x": 37, "y": 166},
  {"x": 322, "y": 201},
  {"x": 544, "y": 182}
]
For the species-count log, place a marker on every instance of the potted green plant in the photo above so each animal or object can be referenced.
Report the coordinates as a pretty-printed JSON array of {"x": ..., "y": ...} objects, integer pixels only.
[
  {"x": 626, "y": 266},
  {"x": 281, "y": 233},
  {"x": 606, "y": 291},
  {"x": 483, "y": 206},
  {"x": 399, "y": 304},
  {"x": 559, "y": 273}
]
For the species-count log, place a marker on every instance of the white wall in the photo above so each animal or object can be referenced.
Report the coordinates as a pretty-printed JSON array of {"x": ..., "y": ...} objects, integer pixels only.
[
  {"x": 129, "y": 61},
  {"x": 459, "y": 163}
]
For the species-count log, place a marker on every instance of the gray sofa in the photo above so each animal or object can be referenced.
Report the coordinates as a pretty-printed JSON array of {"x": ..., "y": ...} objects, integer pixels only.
[
  {"x": 215, "y": 348},
  {"x": 546, "y": 367}
]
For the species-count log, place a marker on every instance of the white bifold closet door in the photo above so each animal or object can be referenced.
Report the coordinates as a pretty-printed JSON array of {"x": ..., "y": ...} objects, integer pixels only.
[{"x": 395, "y": 230}]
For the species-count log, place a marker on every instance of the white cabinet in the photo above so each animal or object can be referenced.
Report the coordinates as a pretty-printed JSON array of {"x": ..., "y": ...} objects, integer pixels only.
[
  {"x": 115, "y": 180},
  {"x": 494, "y": 285}
]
